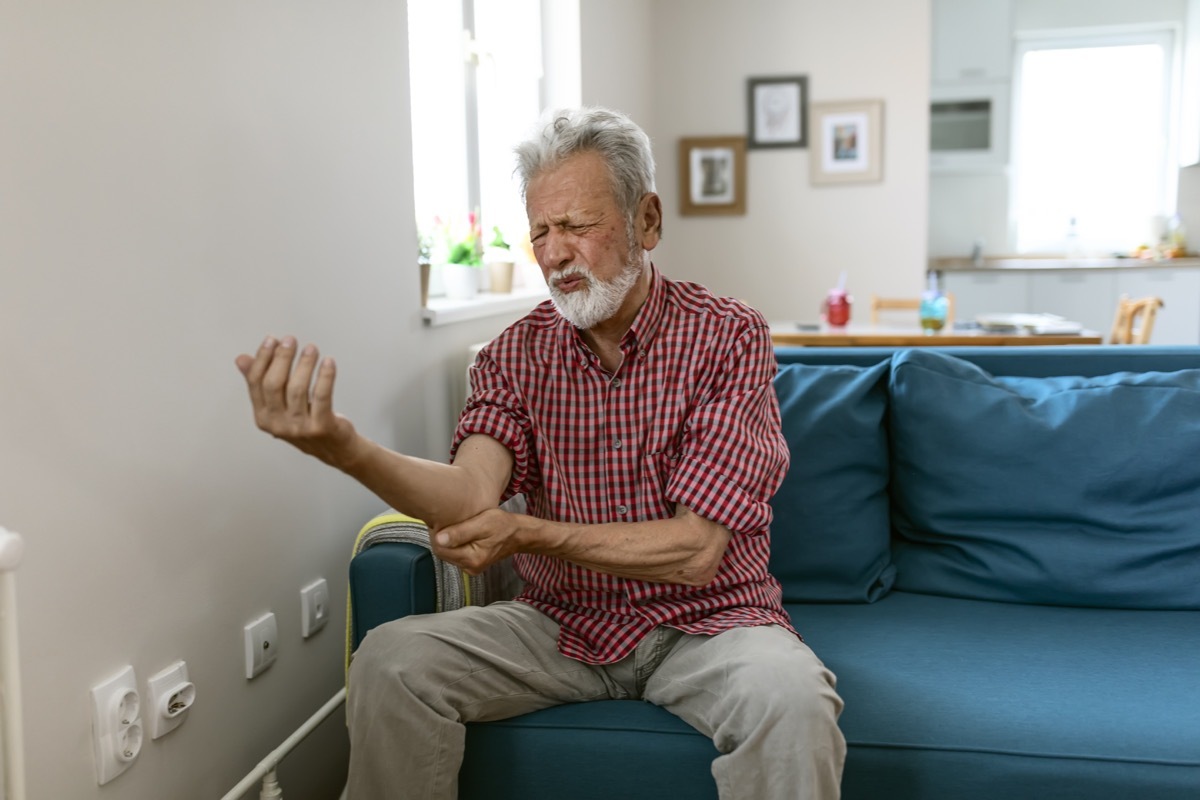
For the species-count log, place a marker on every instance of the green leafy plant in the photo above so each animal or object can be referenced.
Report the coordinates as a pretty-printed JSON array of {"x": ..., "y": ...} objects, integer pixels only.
[{"x": 464, "y": 246}]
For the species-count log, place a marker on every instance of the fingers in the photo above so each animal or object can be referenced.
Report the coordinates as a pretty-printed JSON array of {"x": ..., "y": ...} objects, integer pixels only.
[
  {"x": 275, "y": 377},
  {"x": 278, "y": 390},
  {"x": 254, "y": 368},
  {"x": 296, "y": 393},
  {"x": 322, "y": 399}
]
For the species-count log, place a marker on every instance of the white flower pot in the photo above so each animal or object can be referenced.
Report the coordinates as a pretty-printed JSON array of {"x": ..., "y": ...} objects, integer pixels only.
[{"x": 461, "y": 281}]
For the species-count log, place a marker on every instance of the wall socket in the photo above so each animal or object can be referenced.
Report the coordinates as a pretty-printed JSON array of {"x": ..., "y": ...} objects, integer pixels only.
[
  {"x": 116, "y": 724},
  {"x": 262, "y": 644},
  {"x": 170, "y": 695}
]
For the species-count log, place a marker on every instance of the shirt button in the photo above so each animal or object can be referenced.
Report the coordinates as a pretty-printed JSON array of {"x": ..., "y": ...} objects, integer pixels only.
[
  {"x": 616, "y": 444},
  {"x": 616, "y": 383},
  {"x": 622, "y": 510}
]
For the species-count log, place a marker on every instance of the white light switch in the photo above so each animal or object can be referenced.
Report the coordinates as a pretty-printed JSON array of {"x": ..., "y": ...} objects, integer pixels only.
[{"x": 314, "y": 607}]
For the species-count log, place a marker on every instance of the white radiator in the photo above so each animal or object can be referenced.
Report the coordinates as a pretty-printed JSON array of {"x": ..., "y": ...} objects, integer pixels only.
[{"x": 11, "y": 732}]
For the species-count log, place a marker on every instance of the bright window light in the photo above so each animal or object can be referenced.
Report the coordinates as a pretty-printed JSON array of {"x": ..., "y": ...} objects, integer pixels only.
[
  {"x": 475, "y": 76},
  {"x": 1091, "y": 143}
]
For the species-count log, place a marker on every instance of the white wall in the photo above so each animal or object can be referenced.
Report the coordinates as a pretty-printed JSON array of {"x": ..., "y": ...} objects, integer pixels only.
[
  {"x": 795, "y": 238},
  {"x": 180, "y": 179}
]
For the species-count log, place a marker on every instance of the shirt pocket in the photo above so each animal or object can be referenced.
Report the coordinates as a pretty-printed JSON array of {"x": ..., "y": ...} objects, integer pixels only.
[{"x": 664, "y": 449}]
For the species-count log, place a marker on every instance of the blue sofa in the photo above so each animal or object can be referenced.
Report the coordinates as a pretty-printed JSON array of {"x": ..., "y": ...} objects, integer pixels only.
[{"x": 997, "y": 551}]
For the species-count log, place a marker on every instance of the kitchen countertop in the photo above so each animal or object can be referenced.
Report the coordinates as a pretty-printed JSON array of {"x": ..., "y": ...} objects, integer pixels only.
[{"x": 1018, "y": 263}]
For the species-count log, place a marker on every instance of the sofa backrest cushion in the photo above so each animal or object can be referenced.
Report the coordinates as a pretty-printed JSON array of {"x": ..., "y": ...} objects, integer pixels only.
[
  {"x": 830, "y": 539},
  {"x": 1055, "y": 490}
]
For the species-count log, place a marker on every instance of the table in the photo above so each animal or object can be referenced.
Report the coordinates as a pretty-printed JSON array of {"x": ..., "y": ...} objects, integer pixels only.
[{"x": 791, "y": 334}]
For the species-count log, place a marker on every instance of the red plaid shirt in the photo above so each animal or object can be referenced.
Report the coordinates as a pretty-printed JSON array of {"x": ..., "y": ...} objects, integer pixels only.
[{"x": 689, "y": 417}]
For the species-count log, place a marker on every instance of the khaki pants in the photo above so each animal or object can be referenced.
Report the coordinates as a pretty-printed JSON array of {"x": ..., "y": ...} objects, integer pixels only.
[{"x": 764, "y": 698}]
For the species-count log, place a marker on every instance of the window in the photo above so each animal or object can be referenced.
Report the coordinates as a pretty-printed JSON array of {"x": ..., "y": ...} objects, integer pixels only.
[
  {"x": 1093, "y": 149},
  {"x": 475, "y": 73}
]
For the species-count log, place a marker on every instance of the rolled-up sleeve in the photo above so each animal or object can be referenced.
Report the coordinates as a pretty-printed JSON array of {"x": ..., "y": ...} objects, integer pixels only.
[
  {"x": 494, "y": 409},
  {"x": 733, "y": 455}
]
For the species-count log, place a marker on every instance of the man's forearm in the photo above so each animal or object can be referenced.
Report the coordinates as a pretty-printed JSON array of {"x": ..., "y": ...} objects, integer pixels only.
[
  {"x": 685, "y": 549},
  {"x": 438, "y": 494}
]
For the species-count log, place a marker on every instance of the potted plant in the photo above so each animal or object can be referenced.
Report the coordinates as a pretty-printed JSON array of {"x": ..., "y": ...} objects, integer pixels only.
[
  {"x": 463, "y": 258},
  {"x": 498, "y": 257}
]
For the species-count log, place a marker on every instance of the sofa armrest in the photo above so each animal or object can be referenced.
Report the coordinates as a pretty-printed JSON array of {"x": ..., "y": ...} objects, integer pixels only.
[{"x": 388, "y": 581}]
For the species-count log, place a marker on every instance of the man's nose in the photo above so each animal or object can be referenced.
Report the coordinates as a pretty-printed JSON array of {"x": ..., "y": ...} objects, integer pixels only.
[{"x": 554, "y": 254}]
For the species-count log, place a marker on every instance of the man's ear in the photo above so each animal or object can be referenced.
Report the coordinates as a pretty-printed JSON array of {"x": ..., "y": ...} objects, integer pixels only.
[{"x": 649, "y": 221}]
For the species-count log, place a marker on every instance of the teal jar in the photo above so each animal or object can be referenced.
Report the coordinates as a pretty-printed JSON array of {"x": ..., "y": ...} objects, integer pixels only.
[{"x": 933, "y": 311}]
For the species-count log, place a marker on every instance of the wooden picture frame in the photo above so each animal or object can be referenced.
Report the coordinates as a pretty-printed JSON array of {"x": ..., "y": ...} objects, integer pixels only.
[
  {"x": 712, "y": 175},
  {"x": 778, "y": 111},
  {"x": 847, "y": 142}
]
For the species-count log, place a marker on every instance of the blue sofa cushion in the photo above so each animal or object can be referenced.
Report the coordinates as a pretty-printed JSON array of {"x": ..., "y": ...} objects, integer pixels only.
[
  {"x": 830, "y": 539},
  {"x": 1054, "y": 490},
  {"x": 952, "y": 698}
]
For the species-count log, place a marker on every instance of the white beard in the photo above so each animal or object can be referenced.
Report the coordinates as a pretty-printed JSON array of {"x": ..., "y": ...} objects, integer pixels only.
[{"x": 599, "y": 301}]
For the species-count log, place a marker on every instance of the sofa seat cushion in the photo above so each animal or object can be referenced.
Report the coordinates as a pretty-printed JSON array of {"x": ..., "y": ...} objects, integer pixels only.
[
  {"x": 948, "y": 697},
  {"x": 589, "y": 751},
  {"x": 831, "y": 537},
  {"x": 1058, "y": 490}
]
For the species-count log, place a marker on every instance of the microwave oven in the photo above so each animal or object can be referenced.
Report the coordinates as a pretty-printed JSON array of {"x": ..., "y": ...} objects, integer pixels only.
[{"x": 969, "y": 127}]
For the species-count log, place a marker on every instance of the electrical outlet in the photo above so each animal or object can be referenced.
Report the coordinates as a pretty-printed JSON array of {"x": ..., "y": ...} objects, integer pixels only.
[
  {"x": 262, "y": 644},
  {"x": 116, "y": 724},
  {"x": 170, "y": 695},
  {"x": 314, "y": 607}
]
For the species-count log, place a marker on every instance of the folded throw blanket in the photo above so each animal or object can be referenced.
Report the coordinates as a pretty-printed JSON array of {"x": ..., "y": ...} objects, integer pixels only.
[{"x": 455, "y": 587}]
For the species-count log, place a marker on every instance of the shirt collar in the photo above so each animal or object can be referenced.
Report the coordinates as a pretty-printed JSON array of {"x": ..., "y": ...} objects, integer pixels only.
[{"x": 649, "y": 317}]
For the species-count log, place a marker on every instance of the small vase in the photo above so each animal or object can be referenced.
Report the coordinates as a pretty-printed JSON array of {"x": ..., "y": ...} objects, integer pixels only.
[
  {"x": 424, "y": 266},
  {"x": 501, "y": 274},
  {"x": 461, "y": 280}
]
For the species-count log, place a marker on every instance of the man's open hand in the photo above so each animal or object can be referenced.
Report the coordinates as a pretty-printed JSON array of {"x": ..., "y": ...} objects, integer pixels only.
[{"x": 289, "y": 405}]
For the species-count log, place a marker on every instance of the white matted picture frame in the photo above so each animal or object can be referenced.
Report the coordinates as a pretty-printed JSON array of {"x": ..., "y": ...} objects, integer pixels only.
[
  {"x": 712, "y": 175},
  {"x": 847, "y": 142},
  {"x": 778, "y": 111}
]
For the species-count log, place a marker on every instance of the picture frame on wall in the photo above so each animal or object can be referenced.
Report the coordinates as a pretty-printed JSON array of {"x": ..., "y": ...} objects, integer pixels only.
[
  {"x": 712, "y": 175},
  {"x": 847, "y": 142},
  {"x": 778, "y": 111}
]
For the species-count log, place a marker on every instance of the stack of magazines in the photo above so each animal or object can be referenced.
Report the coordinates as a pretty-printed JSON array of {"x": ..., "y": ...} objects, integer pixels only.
[{"x": 1027, "y": 323}]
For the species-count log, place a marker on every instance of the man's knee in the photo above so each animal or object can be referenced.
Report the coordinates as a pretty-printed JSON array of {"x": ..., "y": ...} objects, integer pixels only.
[{"x": 396, "y": 652}]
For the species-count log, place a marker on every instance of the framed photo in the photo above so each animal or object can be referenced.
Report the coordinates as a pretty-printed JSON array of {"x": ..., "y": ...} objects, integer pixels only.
[
  {"x": 778, "y": 110},
  {"x": 847, "y": 142},
  {"x": 712, "y": 175}
]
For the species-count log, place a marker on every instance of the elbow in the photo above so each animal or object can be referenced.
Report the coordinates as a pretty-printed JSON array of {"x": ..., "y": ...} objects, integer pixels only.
[{"x": 703, "y": 568}]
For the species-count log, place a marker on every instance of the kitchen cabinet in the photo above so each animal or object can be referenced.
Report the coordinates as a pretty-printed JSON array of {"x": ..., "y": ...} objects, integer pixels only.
[
  {"x": 986, "y": 292},
  {"x": 1178, "y": 321},
  {"x": 972, "y": 40},
  {"x": 1086, "y": 296}
]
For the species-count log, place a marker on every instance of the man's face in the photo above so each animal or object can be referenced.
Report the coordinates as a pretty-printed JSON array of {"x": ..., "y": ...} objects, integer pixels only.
[{"x": 582, "y": 240}]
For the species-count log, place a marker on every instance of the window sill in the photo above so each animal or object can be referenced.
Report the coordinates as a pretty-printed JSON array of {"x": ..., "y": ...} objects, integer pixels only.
[{"x": 444, "y": 311}]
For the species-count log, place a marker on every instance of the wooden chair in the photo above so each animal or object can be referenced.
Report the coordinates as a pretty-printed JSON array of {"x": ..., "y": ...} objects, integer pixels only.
[
  {"x": 912, "y": 304},
  {"x": 1126, "y": 328}
]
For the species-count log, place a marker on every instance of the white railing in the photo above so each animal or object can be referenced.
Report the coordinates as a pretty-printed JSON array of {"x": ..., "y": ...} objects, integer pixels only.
[
  {"x": 11, "y": 549},
  {"x": 265, "y": 771}
]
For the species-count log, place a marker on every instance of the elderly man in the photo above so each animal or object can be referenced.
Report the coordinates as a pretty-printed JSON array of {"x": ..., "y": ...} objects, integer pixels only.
[{"x": 637, "y": 415}]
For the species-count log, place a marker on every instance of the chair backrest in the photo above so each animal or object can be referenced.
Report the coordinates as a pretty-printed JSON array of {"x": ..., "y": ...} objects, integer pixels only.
[
  {"x": 1134, "y": 320},
  {"x": 907, "y": 304}
]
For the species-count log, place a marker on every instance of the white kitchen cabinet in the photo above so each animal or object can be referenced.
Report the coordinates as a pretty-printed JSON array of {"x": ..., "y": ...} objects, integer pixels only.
[
  {"x": 987, "y": 292},
  {"x": 1088, "y": 297},
  {"x": 972, "y": 40},
  {"x": 1178, "y": 321}
]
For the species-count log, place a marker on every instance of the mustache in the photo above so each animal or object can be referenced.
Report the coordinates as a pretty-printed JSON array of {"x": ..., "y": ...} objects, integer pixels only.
[{"x": 573, "y": 271}]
